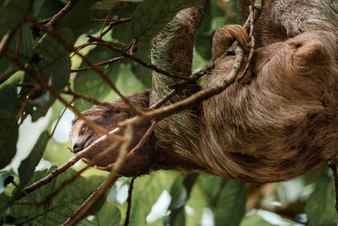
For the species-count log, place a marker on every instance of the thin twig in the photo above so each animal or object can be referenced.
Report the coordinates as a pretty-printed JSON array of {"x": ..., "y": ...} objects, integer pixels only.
[
  {"x": 57, "y": 122},
  {"x": 110, "y": 61},
  {"x": 88, "y": 99},
  {"x": 61, "y": 13},
  {"x": 252, "y": 39},
  {"x": 129, "y": 201},
  {"x": 333, "y": 167},
  {"x": 136, "y": 59},
  {"x": 68, "y": 164},
  {"x": 114, "y": 23},
  {"x": 163, "y": 100}
]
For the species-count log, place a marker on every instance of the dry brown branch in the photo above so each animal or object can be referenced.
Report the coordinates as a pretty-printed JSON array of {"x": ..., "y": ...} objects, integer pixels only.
[
  {"x": 198, "y": 97},
  {"x": 251, "y": 22},
  {"x": 86, "y": 206},
  {"x": 102, "y": 63},
  {"x": 7, "y": 75},
  {"x": 114, "y": 23}
]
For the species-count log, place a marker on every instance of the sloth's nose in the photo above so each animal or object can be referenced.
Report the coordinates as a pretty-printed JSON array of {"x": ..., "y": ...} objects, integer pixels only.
[{"x": 77, "y": 147}]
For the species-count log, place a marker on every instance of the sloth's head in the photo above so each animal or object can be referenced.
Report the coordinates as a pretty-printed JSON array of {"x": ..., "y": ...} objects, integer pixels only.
[{"x": 104, "y": 153}]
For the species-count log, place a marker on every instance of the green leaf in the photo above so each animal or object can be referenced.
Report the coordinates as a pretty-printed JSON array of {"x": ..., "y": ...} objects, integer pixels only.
[
  {"x": 53, "y": 65},
  {"x": 226, "y": 198},
  {"x": 27, "y": 166},
  {"x": 12, "y": 13},
  {"x": 149, "y": 18},
  {"x": 8, "y": 126},
  {"x": 4, "y": 200},
  {"x": 320, "y": 206}
]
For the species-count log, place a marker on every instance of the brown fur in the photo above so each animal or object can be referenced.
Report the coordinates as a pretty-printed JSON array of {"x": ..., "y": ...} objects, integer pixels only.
[
  {"x": 277, "y": 126},
  {"x": 284, "y": 121},
  {"x": 108, "y": 116}
]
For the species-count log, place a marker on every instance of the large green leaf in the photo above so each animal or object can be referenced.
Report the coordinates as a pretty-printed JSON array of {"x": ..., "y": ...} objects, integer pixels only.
[
  {"x": 12, "y": 13},
  {"x": 79, "y": 19},
  {"x": 149, "y": 18},
  {"x": 27, "y": 166},
  {"x": 180, "y": 193},
  {"x": 20, "y": 44},
  {"x": 147, "y": 190},
  {"x": 320, "y": 207},
  {"x": 52, "y": 65},
  {"x": 8, "y": 126},
  {"x": 226, "y": 198}
]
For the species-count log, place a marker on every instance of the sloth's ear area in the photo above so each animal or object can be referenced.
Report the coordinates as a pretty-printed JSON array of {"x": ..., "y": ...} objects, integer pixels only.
[{"x": 314, "y": 48}]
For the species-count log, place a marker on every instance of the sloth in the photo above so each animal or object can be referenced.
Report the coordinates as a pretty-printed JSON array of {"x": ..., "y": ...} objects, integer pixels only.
[{"x": 279, "y": 123}]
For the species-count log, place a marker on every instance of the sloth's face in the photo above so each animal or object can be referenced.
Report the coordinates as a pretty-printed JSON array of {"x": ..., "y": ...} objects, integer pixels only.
[
  {"x": 104, "y": 152},
  {"x": 82, "y": 135}
]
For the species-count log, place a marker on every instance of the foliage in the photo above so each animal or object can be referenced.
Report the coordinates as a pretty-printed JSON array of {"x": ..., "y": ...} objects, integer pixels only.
[{"x": 42, "y": 71}]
